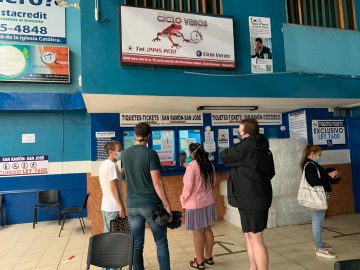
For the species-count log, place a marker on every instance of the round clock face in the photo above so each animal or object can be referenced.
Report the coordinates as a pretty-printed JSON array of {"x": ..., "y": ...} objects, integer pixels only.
[{"x": 196, "y": 36}]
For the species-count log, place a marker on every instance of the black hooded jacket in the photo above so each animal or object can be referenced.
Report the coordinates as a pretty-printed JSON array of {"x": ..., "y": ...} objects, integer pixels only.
[{"x": 252, "y": 168}]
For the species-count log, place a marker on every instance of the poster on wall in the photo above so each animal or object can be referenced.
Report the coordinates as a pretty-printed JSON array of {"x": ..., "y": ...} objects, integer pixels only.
[
  {"x": 328, "y": 132},
  {"x": 101, "y": 139},
  {"x": 297, "y": 125},
  {"x": 160, "y": 120},
  {"x": 164, "y": 145},
  {"x": 260, "y": 45},
  {"x": 167, "y": 38},
  {"x": 233, "y": 119},
  {"x": 34, "y": 63},
  {"x": 223, "y": 138},
  {"x": 32, "y": 21},
  {"x": 24, "y": 165}
]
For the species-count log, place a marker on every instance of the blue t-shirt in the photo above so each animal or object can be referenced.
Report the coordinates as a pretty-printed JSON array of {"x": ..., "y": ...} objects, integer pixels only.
[{"x": 138, "y": 161}]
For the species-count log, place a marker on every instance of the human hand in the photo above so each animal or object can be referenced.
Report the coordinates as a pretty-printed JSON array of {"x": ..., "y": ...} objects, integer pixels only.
[
  {"x": 122, "y": 212},
  {"x": 168, "y": 209},
  {"x": 333, "y": 174}
]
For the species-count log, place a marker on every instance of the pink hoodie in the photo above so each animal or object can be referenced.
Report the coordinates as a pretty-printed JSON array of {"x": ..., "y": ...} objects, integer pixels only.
[{"x": 195, "y": 195}]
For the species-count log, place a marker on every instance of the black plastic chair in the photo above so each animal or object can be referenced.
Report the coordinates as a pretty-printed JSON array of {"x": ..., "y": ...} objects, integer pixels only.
[
  {"x": 47, "y": 199},
  {"x": 75, "y": 210},
  {"x": 348, "y": 265},
  {"x": 110, "y": 250},
  {"x": 1, "y": 212}
]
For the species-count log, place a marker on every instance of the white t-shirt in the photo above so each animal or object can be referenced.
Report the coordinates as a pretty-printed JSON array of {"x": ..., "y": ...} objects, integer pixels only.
[{"x": 109, "y": 171}]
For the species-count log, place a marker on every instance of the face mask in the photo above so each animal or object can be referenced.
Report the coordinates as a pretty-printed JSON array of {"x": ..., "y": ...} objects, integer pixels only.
[
  {"x": 118, "y": 155},
  {"x": 317, "y": 160}
]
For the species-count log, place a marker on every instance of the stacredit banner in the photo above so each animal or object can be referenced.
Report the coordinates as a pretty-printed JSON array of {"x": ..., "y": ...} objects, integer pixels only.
[
  {"x": 32, "y": 21},
  {"x": 166, "y": 38},
  {"x": 34, "y": 63}
]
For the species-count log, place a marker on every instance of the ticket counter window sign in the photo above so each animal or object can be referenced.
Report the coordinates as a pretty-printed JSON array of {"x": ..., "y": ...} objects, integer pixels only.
[
  {"x": 34, "y": 63},
  {"x": 164, "y": 144},
  {"x": 328, "y": 132}
]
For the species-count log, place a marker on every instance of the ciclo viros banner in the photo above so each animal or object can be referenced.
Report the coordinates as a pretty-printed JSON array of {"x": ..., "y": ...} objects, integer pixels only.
[
  {"x": 32, "y": 21},
  {"x": 23, "y": 165},
  {"x": 159, "y": 37}
]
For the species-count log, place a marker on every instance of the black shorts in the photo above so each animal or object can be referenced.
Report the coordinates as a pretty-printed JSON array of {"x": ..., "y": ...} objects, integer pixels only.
[{"x": 253, "y": 220}]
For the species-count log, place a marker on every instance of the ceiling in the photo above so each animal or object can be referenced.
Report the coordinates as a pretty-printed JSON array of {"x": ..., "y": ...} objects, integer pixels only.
[{"x": 97, "y": 103}]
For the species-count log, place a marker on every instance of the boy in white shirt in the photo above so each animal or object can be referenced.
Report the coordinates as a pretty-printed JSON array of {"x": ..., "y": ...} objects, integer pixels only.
[{"x": 110, "y": 182}]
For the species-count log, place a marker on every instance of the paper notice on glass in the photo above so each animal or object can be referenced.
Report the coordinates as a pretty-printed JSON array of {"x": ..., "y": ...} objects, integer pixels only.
[
  {"x": 236, "y": 135},
  {"x": 223, "y": 138},
  {"x": 209, "y": 147},
  {"x": 209, "y": 136}
]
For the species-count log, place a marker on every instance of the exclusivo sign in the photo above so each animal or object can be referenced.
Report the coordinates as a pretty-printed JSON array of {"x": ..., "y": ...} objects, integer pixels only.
[
  {"x": 328, "y": 132},
  {"x": 166, "y": 38}
]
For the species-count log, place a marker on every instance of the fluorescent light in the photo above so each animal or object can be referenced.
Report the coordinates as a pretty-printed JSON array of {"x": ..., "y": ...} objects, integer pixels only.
[{"x": 227, "y": 108}]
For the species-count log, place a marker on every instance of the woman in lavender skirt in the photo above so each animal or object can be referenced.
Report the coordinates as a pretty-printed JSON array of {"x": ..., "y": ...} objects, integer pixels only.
[{"x": 197, "y": 199}]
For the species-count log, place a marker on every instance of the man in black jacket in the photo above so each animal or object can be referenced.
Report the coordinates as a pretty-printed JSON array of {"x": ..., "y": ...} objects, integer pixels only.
[{"x": 249, "y": 188}]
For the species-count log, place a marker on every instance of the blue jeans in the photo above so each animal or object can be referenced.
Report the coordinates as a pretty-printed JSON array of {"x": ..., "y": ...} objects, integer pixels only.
[
  {"x": 318, "y": 219},
  {"x": 107, "y": 217},
  {"x": 137, "y": 218}
]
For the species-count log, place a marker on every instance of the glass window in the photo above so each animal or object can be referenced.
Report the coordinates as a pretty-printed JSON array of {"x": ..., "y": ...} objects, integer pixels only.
[
  {"x": 324, "y": 13},
  {"x": 128, "y": 139},
  {"x": 187, "y": 137},
  {"x": 163, "y": 142}
]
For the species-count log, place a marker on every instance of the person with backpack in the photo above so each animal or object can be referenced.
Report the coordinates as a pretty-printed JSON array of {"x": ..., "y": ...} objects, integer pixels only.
[
  {"x": 249, "y": 188},
  {"x": 316, "y": 175},
  {"x": 197, "y": 198}
]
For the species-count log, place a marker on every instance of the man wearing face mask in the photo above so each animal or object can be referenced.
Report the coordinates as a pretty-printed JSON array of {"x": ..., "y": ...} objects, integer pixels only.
[
  {"x": 249, "y": 188},
  {"x": 110, "y": 182}
]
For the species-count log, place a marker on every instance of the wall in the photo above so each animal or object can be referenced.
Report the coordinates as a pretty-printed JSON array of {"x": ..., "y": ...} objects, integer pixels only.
[
  {"x": 321, "y": 50},
  {"x": 64, "y": 137},
  {"x": 110, "y": 77}
]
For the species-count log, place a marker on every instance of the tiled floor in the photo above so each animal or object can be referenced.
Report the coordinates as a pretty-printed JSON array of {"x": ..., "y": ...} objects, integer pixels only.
[{"x": 290, "y": 247}]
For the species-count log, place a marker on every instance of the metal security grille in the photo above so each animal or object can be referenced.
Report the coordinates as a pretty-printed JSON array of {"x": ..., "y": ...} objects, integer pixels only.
[
  {"x": 195, "y": 6},
  {"x": 325, "y": 13}
]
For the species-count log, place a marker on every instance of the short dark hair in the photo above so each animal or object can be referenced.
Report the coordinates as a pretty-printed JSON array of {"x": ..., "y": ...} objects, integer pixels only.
[
  {"x": 251, "y": 126},
  {"x": 110, "y": 146},
  {"x": 259, "y": 40},
  {"x": 142, "y": 129}
]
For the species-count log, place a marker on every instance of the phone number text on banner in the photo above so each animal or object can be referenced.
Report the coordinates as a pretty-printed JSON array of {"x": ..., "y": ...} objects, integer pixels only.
[
  {"x": 159, "y": 120},
  {"x": 32, "y": 21},
  {"x": 24, "y": 165}
]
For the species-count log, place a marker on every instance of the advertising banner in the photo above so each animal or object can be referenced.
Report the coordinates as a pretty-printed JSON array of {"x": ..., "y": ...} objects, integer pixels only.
[
  {"x": 32, "y": 21},
  {"x": 34, "y": 63},
  {"x": 233, "y": 119},
  {"x": 159, "y": 120},
  {"x": 297, "y": 125},
  {"x": 260, "y": 45},
  {"x": 23, "y": 165},
  {"x": 166, "y": 38},
  {"x": 328, "y": 132}
]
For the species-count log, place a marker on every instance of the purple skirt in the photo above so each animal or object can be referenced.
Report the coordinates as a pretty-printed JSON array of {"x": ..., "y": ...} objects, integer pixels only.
[{"x": 200, "y": 218}]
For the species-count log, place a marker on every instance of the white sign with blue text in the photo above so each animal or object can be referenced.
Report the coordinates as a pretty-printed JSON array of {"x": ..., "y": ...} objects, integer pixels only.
[
  {"x": 328, "y": 132},
  {"x": 32, "y": 21}
]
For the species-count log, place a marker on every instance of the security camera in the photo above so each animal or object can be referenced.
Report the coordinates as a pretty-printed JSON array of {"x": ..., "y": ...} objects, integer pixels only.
[{"x": 65, "y": 4}]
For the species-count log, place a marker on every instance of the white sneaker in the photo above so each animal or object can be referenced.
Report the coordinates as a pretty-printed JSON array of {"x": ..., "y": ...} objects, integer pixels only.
[
  {"x": 326, "y": 246},
  {"x": 326, "y": 253}
]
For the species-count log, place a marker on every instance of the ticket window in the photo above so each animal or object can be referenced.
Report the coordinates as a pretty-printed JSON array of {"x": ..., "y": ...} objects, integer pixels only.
[
  {"x": 128, "y": 139},
  {"x": 186, "y": 137},
  {"x": 163, "y": 142}
]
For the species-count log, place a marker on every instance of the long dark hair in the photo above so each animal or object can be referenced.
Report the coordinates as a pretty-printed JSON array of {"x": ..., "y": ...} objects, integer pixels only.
[
  {"x": 202, "y": 159},
  {"x": 308, "y": 150}
]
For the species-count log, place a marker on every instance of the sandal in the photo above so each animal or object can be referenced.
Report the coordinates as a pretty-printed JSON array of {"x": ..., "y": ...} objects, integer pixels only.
[
  {"x": 210, "y": 261},
  {"x": 195, "y": 264},
  {"x": 326, "y": 253}
]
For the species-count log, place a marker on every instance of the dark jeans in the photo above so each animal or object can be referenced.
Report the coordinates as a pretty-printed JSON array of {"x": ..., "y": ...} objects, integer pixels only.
[{"x": 137, "y": 218}]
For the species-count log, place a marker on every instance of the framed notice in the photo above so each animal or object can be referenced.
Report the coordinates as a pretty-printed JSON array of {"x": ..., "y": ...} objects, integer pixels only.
[
  {"x": 297, "y": 125},
  {"x": 328, "y": 132},
  {"x": 34, "y": 63},
  {"x": 167, "y": 38},
  {"x": 32, "y": 21}
]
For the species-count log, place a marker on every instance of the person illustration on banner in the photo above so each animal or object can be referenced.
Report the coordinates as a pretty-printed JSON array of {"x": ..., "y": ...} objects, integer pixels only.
[{"x": 261, "y": 51}]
